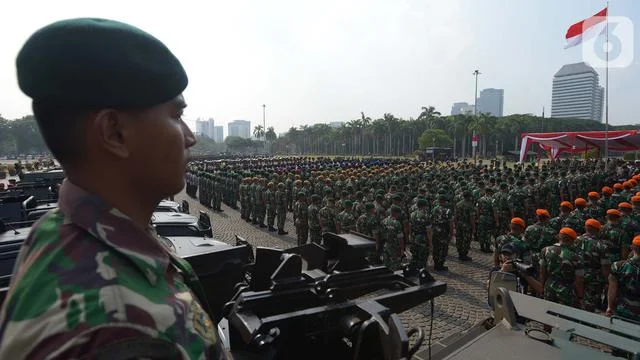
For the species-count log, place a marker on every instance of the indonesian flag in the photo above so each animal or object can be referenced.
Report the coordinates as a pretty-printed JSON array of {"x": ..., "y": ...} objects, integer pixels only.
[{"x": 586, "y": 29}]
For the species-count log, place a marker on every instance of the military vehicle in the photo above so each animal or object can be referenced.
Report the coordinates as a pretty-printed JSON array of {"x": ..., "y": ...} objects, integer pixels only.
[
  {"x": 526, "y": 327},
  {"x": 179, "y": 224}
]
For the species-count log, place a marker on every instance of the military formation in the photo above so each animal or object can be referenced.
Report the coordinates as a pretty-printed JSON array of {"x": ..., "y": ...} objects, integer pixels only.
[{"x": 572, "y": 220}]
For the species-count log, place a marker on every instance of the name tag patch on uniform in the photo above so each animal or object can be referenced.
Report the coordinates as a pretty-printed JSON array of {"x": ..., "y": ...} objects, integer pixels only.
[{"x": 202, "y": 324}]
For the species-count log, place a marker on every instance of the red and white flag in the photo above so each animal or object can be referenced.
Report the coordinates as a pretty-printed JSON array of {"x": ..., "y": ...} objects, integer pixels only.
[{"x": 586, "y": 29}]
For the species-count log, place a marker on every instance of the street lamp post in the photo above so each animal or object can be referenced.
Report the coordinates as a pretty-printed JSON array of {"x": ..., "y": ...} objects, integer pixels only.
[
  {"x": 264, "y": 126},
  {"x": 474, "y": 143}
]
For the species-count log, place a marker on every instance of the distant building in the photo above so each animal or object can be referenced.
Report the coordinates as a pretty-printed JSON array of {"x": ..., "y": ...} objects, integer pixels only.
[
  {"x": 241, "y": 128},
  {"x": 205, "y": 127},
  {"x": 576, "y": 93},
  {"x": 218, "y": 134},
  {"x": 461, "y": 108},
  {"x": 336, "y": 124},
  {"x": 491, "y": 101}
]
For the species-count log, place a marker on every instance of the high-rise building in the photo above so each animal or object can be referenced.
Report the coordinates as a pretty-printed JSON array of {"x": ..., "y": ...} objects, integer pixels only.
[
  {"x": 202, "y": 128},
  {"x": 205, "y": 127},
  {"x": 241, "y": 128},
  {"x": 461, "y": 108},
  {"x": 576, "y": 93},
  {"x": 218, "y": 135},
  {"x": 491, "y": 101}
]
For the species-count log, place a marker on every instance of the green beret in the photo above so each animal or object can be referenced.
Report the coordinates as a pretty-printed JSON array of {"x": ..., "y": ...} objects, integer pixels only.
[
  {"x": 315, "y": 197},
  {"x": 396, "y": 197},
  {"x": 98, "y": 63},
  {"x": 442, "y": 197},
  {"x": 422, "y": 202},
  {"x": 368, "y": 206},
  {"x": 395, "y": 209},
  {"x": 301, "y": 194},
  {"x": 348, "y": 203}
]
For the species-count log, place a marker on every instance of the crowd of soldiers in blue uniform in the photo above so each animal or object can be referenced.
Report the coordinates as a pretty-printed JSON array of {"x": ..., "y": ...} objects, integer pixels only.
[{"x": 415, "y": 209}]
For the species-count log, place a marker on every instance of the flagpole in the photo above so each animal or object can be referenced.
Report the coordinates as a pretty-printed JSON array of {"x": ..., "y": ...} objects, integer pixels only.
[{"x": 606, "y": 90}]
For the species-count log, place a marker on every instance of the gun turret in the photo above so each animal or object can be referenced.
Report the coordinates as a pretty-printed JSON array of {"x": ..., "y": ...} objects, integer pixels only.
[{"x": 312, "y": 302}]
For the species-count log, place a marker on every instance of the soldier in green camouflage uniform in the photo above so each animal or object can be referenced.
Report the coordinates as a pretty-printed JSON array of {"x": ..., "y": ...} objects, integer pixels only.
[
  {"x": 539, "y": 235},
  {"x": 465, "y": 222},
  {"x": 502, "y": 210},
  {"x": 393, "y": 240},
  {"x": 561, "y": 271},
  {"x": 217, "y": 193},
  {"x": 369, "y": 224},
  {"x": 515, "y": 238},
  {"x": 253, "y": 196},
  {"x": 281, "y": 207},
  {"x": 557, "y": 222},
  {"x": 327, "y": 216},
  {"x": 419, "y": 244},
  {"x": 593, "y": 209},
  {"x": 614, "y": 233},
  {"x": 440, "y": 233},
  {"x": 301, "y": 218},
  {"x": 315, "y": 230},
  {"x": 346, "y": 219},
  {"x": 595, "y": 254},
  {"x": 624, "y": 285},
  {"x": 270, "y": 196},
  {"x": 576, "y": 218},
  {"x": 93, "y": 280},
  {"x": 261, "y": 202},
  {"x": 486, "y": 220}
]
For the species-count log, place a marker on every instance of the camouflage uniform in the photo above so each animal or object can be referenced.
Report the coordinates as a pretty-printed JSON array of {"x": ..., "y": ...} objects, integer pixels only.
[
  {"x": 392, "y": 233},
  {"x": 315, "y": 231},
  {"x": 575, "y": 221},
  {"x": 301, "y": 215},
  {"x": 117, "y": 291},
  {"x": 464, "y": 221},
  {"x": 419, "y": 245},
  {"x": 327, "y": 217},
  {"x": 441, "y": 218},
  {"x": 617, "y": 236},
  {"x": 557, "y": 222},
  {"x": 595, "y": 254},
  {"x": 485, "y": 222},
  {"x": 270, "y": 197},
  {"x": 562, "y": 264},
  {"x": 627, "y": 275},
  {"x": 538, "y": 236},
  {"x": 281, "y": 206},
  {"x": 347, "y": 221}
]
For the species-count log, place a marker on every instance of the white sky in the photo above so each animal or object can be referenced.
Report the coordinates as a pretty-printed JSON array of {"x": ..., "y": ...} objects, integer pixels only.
[{"x": 323, "y": 61}]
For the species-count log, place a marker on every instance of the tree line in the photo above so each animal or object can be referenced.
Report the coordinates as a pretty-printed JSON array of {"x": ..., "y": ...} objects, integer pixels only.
[
  {"x": 393, "y": 136},
  {"x": 364, "y": 136}
]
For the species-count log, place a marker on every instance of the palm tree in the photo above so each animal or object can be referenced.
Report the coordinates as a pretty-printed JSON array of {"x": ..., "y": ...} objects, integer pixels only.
[
  {"x": 364, "y": 122},
  {"x": 428, "y": 114},
  {"x": 258, "y": 132}
]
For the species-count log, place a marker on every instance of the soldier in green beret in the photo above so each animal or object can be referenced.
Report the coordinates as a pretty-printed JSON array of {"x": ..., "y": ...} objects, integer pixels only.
[{"x": 93, "y": 279}]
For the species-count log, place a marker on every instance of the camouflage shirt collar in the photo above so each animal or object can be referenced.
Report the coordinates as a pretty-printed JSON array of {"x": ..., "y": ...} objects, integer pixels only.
[{"x": 115, "y": 229}]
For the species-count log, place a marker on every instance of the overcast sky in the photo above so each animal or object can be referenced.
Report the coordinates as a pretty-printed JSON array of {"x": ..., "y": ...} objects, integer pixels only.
[{"x": 328, "y": 60}]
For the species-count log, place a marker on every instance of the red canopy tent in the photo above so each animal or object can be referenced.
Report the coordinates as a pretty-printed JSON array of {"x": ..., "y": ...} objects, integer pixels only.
[{"x": 558, "y": 142}]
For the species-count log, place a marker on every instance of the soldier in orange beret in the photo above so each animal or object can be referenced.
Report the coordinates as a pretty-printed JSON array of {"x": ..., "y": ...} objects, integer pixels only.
[
  {"x": 595, "y": 258},
  {"x": 558, "y": 286},
  {"x": 614, "y": 232},
  {"x": 558, "y": 222}
]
